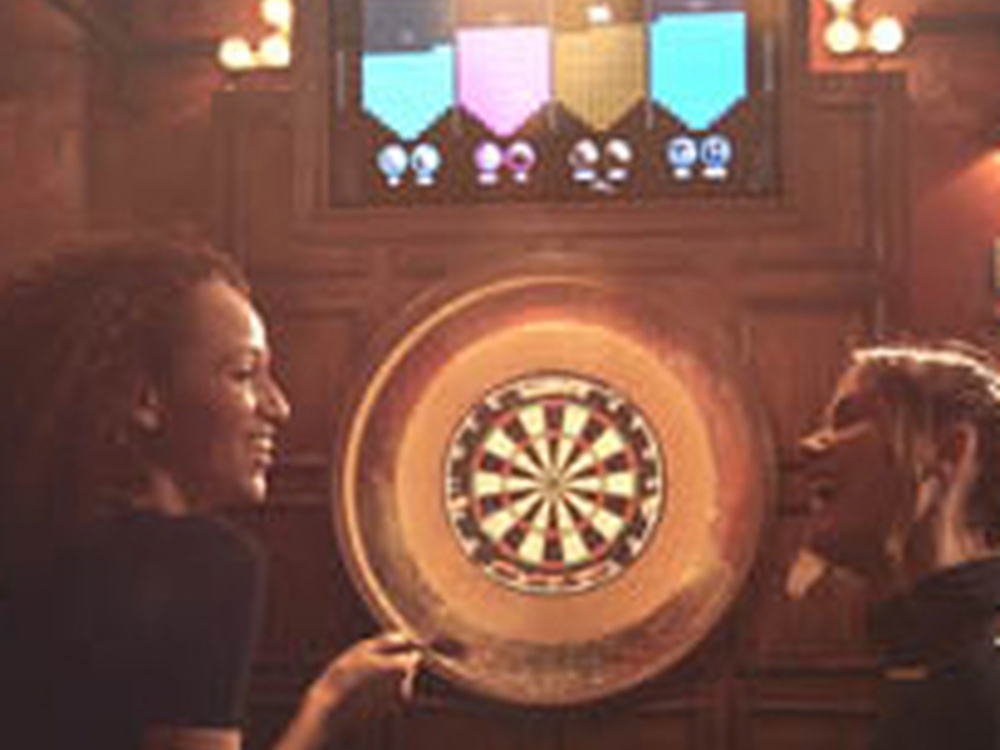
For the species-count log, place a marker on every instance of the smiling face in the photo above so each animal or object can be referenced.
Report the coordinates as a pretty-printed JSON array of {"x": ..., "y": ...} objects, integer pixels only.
[
  {"x": 221, "y": 408},
  {"x": 861, "y": 491}
]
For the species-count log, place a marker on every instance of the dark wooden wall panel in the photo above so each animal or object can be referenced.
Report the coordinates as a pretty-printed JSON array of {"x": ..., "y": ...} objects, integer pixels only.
[
  {"x": 314, "y": 350},
  {"x": 822, "y": 631},
  {"x": 816, "y": 730},
  {"x": 839, "y": 192},
  {"x": 796, "y": 710},
  {"x": 252, "y": 147},
  {"x": 646, "y": 730},
  {"x": 439, "y": 725},
  {"x": 808, "y": 336}
]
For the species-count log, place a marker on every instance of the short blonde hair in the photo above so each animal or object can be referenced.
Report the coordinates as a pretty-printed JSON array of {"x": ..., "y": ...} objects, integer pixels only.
[{"x": 927, "y": 386}]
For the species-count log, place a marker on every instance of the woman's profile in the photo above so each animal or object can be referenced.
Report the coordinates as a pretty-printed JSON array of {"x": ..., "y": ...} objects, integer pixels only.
[
  {"x": 138, "y": 397},
  {"x": 903, "y": 478}
]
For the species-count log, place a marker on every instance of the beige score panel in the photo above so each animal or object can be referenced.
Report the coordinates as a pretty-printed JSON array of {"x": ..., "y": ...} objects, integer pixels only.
[{"x": 569, "y": 485}]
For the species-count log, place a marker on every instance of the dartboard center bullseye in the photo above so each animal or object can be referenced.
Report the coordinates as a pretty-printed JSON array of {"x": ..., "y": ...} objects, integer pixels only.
[{"x": 554, "y": 483}]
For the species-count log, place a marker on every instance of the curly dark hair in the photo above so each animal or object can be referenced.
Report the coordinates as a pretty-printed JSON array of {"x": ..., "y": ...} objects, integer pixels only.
[
  {"x": 78, "y": 333},
  {"x": 928, "y": 386}
]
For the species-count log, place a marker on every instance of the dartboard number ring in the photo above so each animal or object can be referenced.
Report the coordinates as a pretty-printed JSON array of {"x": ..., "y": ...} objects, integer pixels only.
[{"x": 554, "y": 483}]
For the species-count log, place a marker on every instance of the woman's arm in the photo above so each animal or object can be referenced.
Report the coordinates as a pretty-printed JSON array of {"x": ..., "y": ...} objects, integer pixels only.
[
  {"x": 364, "y": 681},
  {"x": 361, "y": 683}
]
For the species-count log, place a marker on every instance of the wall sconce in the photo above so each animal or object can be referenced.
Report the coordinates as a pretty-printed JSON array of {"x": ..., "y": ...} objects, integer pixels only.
[
  {"x": 237, "y": 55},
  {"x": 845, "y": 34}
]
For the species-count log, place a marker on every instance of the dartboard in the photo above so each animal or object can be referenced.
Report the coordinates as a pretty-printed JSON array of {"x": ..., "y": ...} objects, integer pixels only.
[
  {"x": 568, "y": 483},
  {"x": 553, "y": 483}
]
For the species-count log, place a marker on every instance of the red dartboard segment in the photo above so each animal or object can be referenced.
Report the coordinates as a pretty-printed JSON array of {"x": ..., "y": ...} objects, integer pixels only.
[{"x": 554, "y": 483}]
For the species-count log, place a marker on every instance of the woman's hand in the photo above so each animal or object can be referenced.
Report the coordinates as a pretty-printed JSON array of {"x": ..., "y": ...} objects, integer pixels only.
[
  {"x": 380, "y": 670},
  {"x": 366, "y": 680}
]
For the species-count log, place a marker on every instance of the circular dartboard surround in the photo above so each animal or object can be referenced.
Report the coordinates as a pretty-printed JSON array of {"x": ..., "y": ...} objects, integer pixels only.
[
  {"x": 566, "y": 481},
  {"x": 553, "y": 483}
]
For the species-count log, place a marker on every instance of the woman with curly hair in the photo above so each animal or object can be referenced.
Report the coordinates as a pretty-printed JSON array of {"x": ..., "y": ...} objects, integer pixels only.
[
  {"x": 904, "y": 478},
  {"x": 137, "y": 397}
]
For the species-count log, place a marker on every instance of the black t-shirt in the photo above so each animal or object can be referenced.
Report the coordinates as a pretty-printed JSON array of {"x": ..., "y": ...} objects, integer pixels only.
[
  {"x": 147, "y": 621},
  {"x": 943, "y": 670}
]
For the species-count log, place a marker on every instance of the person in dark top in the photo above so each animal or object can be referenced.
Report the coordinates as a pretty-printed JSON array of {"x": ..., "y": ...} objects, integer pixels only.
[
  {"x": 137, "y": 398},
  {"x": 904, "y": 476}
]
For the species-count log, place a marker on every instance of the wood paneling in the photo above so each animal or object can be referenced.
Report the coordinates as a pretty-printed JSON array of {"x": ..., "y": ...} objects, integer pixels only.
[
  {"x": 823, "y": 631},
  {"x": 251, "y": 135},
  {"x": 441, "y": 726},
  {"x": 313, "y": 352},
  {"x": 803, "y": 342},
  {"x": 646, "y": 730}
]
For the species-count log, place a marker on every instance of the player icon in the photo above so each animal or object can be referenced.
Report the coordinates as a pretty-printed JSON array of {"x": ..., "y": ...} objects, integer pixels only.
[
  {"x": 392, "y": 162},
  {"x": 426, "y": 161},
  {"x": 682, "y": 155},
  {"x": 488, "y": 158},
  {"x": 716, "y": 153}
]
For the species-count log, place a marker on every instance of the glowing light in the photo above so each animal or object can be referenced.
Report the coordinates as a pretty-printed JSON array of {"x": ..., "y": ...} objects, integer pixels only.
[
  {"x": 599, "y": 14},
  {"x": 235, "y": 54},
  {"x": 278, "y": 13},
  {"x": 841, "y": 7},
  {"x": 886, "y": 35},
  {"x": 842, "y": 36},
  {"x": 275, "y": 51}
]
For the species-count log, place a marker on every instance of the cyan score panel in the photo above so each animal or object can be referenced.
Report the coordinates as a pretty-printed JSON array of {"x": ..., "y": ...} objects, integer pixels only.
[
  {"x": 409, "y": 91},
  {"x": 698, "y": 65}
]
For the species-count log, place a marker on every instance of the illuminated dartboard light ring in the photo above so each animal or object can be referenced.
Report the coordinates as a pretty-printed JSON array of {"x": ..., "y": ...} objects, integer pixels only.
[
  {"x": 569, "y": 484},
  {"x": 554, "y": 483}
]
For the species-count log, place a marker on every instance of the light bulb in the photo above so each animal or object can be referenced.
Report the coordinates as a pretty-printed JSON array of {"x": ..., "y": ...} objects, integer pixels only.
[
  {"x": 278, "y": 13},
  {"x": 275, "y": 51},
  {"x": 886, "y": 35},
  {"x": 842, "y": 36},
  {"x": 235, "y": 54},
  {"x": 841, "y": 7},
  {"x": 599, "y": 13}
]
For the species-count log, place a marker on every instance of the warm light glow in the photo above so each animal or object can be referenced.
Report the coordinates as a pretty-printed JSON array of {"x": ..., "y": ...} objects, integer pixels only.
[
  {"x": 886, "y": 35},
  {"x": 235, "y": 54},
  {"x": 278, "y": 13},
  {"x": 599, "y": 13},
  {"x": 842, "y": 36},
  {"x": 842, "y": 7},
  {"x": 275, "y": 51}
]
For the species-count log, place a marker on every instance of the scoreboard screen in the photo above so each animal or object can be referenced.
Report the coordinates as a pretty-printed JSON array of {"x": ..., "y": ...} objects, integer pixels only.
[{"x": 456, "y": 101}]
